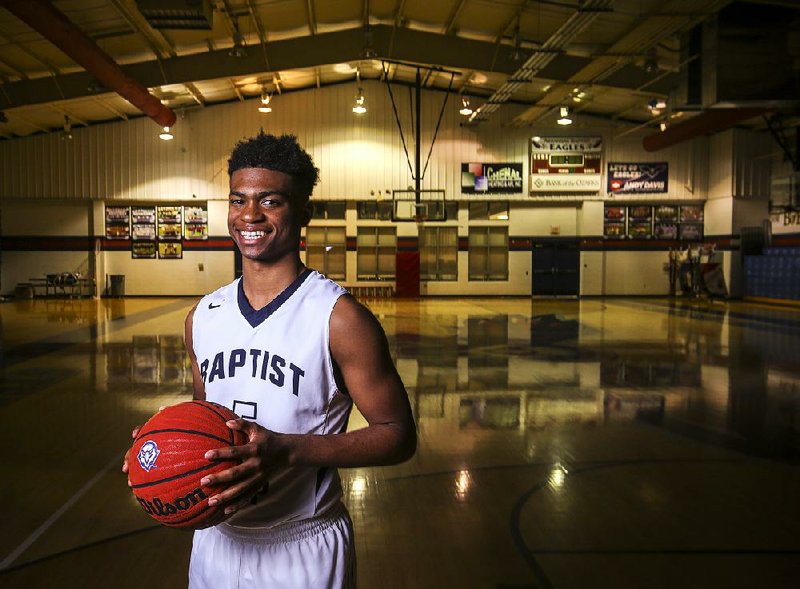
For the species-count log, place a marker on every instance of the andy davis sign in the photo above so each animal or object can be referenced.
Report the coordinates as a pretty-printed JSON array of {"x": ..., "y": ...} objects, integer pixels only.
[{"x": 637, "y": 178}]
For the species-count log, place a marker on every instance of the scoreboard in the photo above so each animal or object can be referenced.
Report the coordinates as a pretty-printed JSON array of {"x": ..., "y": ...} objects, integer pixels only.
[{"x": 565, "y": 164}]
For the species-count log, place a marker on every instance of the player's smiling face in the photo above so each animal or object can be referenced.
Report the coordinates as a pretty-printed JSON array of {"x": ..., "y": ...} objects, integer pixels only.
[{"x": 261, "y": 219}]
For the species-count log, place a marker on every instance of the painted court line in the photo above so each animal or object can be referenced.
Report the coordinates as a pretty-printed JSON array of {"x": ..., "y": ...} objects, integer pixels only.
[{"x": 8, "y": 560}]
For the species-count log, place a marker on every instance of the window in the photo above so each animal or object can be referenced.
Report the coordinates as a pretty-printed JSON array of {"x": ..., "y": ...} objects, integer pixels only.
[
  {"x": 326, "y": 251},
  {"x": 377, "y": 250},
  {"x": 332, "y": 209},
  {"x": 488, "y": 211},
  {"x": 447, "y": 210},
  {"x": 368, "y": 209},
  {"x": 488, "y": 253},
  {"x": 438, "y": 253}
]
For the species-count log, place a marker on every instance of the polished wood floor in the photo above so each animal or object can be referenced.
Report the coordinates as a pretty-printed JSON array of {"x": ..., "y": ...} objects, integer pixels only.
[{"x": 620, "y": 443}]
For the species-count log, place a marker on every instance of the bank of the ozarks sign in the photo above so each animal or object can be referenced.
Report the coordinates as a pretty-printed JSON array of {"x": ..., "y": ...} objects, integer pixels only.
[{"x": 565, "y": 164}]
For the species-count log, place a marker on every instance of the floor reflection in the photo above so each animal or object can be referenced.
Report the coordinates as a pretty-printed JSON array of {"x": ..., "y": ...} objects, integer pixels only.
[{"x": 725, "y": 375}]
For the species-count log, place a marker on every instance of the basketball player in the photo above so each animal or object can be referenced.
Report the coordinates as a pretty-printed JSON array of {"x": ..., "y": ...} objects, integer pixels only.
[{"x": 290, "y": 352}]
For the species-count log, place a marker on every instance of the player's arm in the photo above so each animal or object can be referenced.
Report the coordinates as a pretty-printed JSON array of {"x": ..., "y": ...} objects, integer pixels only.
[
  {"x": 198, "y": 389},
  {"x": 359, "y": 348}
]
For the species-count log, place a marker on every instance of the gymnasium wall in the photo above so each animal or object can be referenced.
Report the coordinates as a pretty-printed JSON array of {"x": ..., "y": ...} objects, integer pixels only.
[{"x": 359, "y": 159}]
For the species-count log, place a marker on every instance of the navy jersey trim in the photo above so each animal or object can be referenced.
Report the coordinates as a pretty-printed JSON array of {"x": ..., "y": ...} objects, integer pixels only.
[{"x": 257, "y": 317}]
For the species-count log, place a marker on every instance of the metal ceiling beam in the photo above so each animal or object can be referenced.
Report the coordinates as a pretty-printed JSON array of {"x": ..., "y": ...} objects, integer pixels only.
[
  {"x": 262, "y": 35},
  {"x": 451, "y": 21},
  {"x": 46, "y": 19},
  {"x": 302, "y": 52},
  {"x": 706, "y": 123},
  {"x": 642, "y": 36},
  {"x": 111, "y": 109},
  {"x": 19, "y": 73},
  {"x": 236, "y": 90},
  {"x": 41, "y": 61},
  {"x": 157, "y": 43},
  {"x": 311, "y": 15},
  {"x": 398, "y": 18},
  {"x": 66, "y": 113},
  {"x": 588, "y": 11}
]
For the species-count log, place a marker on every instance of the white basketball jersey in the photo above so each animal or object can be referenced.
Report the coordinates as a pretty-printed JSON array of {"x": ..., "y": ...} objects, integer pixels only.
[{"x": 273, "y": 366}]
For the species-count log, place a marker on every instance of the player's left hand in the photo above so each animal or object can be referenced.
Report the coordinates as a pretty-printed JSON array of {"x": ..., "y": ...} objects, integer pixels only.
[{"x": 245, "y": 481}]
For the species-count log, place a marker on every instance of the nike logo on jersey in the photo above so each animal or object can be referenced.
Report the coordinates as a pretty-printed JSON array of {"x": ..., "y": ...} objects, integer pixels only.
[{"x": 213, "y": 306}]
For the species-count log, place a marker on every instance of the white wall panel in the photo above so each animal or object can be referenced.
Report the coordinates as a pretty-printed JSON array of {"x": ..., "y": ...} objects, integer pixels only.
[
  {"x": 635, "y": 273},
  {"x": 357, "y": 155},
  {"x": 720, "y": 171},
  {"x": 688, "y": 167}
]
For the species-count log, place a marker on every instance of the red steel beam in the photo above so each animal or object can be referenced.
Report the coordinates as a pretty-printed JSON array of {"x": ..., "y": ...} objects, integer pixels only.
[
  {"x": 705, "y": 123},
  {"x": 45, "y": 18}
]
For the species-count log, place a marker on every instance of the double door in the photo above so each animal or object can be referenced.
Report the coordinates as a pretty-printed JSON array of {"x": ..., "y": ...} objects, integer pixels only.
[{"x": 556, "y": 269}]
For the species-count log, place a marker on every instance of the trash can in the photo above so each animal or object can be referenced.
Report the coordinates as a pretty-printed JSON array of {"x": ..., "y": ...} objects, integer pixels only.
[{"x": 117, "y": 285}]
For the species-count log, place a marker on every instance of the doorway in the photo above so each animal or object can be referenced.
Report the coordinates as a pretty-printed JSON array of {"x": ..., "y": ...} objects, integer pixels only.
[{"x": 556, "y": 268}]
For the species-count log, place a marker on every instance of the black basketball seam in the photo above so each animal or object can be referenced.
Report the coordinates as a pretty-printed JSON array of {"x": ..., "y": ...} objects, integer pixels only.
[
  {"x": 209, "y": 405},
  {"x": 176, "y": 477},
  {"x": 182, "y": 431}
]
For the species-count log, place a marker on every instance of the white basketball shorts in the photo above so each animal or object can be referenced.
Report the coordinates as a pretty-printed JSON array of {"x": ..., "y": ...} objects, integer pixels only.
[{"x": 317, "y": 553}]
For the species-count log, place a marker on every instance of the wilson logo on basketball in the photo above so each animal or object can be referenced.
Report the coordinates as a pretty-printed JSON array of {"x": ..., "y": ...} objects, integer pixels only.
[
  {"x": 157, "y": 507},
  {"x": 148, "y": 454}
]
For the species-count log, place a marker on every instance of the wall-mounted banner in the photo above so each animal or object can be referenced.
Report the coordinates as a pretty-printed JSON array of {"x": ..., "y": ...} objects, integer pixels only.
[
  {"x": 565, "y": 164},
  {"x": 503, "y": 178},
  {"x": 637, "y": 178}
]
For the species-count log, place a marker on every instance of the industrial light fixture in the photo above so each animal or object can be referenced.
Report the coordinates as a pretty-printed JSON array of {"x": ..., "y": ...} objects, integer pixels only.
[
  {"x": 650, "y": 64},
  {"x": 166, "y": 135},
  {"x": 265, "y": 98},
  {"x": 564, "y": 120},
  {"x": 465, "y": 108},
  {"x": 656, "y": 105},
  {"x": 359, "y": 107},
  {"x": 66, "y": 134}
]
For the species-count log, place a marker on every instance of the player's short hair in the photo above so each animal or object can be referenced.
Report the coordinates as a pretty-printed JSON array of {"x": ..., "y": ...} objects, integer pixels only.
[{"x": 279, "y": 153}]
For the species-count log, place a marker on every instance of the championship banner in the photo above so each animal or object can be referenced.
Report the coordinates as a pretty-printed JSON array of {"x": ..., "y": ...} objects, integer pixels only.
[
  {"x": 565, "y": 164},
  {"x": 505, "y": 178},
  {"x": 637, "y": 178}
]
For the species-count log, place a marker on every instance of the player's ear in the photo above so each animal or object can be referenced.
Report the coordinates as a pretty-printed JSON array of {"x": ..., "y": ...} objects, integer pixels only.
[{"x": 306, "y": 214}]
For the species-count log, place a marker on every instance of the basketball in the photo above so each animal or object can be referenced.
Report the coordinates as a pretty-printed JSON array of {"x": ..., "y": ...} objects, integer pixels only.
[{"x": 167, "y": 463}]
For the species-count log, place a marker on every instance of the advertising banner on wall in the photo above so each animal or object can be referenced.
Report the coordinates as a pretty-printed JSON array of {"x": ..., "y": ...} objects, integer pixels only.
[
  {"x": 565, "y": 164},
  {"x": 501, "y": 178},
  {"x": 637, "y": 178}
]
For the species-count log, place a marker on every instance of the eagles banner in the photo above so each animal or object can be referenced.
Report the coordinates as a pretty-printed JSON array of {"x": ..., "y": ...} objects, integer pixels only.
[{"x": 637, "y": 178}]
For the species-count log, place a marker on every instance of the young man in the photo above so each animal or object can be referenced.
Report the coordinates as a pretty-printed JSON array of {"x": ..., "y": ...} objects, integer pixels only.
[{"x": 291, "y": 352}]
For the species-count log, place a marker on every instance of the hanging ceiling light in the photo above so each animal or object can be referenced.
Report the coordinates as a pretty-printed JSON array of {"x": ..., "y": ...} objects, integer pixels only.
[
  {"x": 465, "y": 108},
  {"x": 656, "y": 105},
  {"x": 359, "y": 107},
  {"x": 166, "y": 135},
  {"x": 564, "y": 120},
  {"x": 66, "y": 135},
  {"x": 265, "y": 98}
]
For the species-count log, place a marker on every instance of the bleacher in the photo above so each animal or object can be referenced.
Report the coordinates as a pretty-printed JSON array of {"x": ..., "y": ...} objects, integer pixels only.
[{"x": 775, "y": 274}]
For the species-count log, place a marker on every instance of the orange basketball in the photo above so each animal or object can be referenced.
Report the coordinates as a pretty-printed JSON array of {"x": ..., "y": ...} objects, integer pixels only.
[{"x": 166, "y": 463}]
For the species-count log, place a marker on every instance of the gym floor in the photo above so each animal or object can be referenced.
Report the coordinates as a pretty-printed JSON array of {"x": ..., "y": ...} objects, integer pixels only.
[{"x": 563, "y": 444}]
